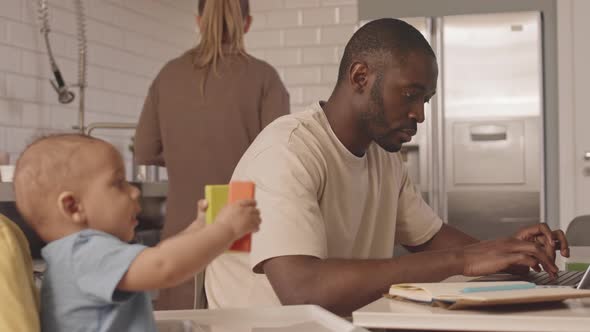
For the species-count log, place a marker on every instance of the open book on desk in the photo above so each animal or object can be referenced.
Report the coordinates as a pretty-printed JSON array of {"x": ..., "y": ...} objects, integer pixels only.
[{"x": 477, "y": 294}]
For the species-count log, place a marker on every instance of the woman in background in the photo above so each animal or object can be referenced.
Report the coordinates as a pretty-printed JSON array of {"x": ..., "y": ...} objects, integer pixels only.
[{"x": 202, "y": 112}]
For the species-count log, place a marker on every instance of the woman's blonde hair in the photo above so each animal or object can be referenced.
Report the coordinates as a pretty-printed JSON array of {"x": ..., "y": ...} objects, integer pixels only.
[{"x": 222, "y": 23}]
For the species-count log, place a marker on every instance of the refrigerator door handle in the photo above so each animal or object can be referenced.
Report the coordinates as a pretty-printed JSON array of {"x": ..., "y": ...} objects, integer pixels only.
[{"x": 488, "y": 133}]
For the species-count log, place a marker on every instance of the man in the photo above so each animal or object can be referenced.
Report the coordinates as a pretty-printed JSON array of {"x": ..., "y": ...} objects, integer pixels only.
[{"x": 335, "y": 197}]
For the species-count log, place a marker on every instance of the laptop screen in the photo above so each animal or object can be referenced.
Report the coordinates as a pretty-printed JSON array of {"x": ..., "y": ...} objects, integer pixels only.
[{"x": 585, "y": 282}]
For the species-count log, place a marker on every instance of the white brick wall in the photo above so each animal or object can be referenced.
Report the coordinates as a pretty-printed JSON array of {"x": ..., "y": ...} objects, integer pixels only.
[
  {"x": 129, "y": 41},
  {"x": 304, "y": 40}
]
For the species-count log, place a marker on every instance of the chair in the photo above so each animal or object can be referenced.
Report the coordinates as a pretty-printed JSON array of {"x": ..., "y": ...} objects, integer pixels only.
[
  {"x": 19, "y": 297},
  {"x": 578, "y": 231}
]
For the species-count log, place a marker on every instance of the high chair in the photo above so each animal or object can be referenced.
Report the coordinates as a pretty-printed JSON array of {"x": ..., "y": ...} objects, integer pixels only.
[{"x": 19, "y": 298}]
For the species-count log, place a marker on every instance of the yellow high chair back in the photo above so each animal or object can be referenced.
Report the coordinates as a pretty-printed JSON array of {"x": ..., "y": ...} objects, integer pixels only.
[{"x": 19, "y": 298}]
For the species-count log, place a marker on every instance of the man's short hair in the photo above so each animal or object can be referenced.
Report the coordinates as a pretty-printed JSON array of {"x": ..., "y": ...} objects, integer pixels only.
[{"x": 386, "y": 36}]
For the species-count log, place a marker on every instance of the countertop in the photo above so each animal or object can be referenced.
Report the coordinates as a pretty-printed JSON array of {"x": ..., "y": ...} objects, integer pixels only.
[
  {"x": 567, "y": 316},
  {"x": 148, "y": 189},
  {"x": 291, "y": 318}
]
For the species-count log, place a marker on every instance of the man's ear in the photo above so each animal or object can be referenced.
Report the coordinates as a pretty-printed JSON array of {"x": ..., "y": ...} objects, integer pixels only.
[
  {"x": 70, "y": 207},
  {"x": 359, "y": 76}
]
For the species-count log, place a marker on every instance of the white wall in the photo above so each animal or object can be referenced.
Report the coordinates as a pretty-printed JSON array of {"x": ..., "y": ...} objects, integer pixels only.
[
  {"x": 128, "y": 43},
  {"x": 130, "y": 40},
  {"x": 304, "y": 40}
]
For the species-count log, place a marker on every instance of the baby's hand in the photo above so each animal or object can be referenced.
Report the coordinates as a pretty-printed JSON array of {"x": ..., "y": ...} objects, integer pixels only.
[
  {"x": 202, "y": 206},
  {"x": 200, "y": 221},
  {"x": 242, "y": 216}
]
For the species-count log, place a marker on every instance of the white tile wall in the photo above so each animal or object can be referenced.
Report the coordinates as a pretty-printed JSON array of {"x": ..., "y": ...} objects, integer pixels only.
[
  {"x": 302, "y": 4},
  {"x": 304, "y": 40},
  {"x": 130, "y": 40},
  {"x": 320, "y": 16}
]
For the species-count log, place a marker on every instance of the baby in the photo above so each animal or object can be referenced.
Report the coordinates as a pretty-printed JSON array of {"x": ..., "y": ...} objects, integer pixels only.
[{"x": 72, "y": 190}]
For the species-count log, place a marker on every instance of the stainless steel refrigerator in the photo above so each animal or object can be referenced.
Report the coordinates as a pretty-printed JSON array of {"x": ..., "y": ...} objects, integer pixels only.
[{"x": 478, "y": 158}]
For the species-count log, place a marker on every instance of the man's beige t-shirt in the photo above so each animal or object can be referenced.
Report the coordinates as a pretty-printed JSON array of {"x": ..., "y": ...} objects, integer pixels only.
[{"x": 316, "y": 198}]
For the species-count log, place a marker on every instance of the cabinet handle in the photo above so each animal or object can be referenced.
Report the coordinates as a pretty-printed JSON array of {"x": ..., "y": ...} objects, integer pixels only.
[{"x": 587, "y": 155}]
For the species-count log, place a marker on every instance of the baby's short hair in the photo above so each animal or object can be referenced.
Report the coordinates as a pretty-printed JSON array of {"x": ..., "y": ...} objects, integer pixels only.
[{"x": 45, "y": 168}]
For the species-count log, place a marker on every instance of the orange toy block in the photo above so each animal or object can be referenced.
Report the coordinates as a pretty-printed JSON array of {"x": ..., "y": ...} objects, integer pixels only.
[{"x": 241, "y": 190}]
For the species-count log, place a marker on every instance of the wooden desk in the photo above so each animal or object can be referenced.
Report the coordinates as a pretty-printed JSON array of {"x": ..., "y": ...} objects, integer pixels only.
[{"x": 567, "y": 316}]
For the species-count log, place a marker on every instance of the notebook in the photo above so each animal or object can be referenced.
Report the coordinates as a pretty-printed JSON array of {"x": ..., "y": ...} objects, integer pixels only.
[
  {"x": 218, "y": 196},
  {"x": 478, "y": 294}
]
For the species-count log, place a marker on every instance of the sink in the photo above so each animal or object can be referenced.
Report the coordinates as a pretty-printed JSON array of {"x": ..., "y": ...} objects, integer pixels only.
[
  {"x": 177, "y": 325},
  {"x": 152, "y": 212}
]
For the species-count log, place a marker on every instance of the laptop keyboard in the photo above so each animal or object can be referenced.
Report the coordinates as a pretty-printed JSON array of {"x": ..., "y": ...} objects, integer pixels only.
[{"x": 564, "y": 278}]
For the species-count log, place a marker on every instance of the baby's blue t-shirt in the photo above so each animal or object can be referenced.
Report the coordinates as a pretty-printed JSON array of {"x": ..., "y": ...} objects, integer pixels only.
[{"x": 79, "y": 286}]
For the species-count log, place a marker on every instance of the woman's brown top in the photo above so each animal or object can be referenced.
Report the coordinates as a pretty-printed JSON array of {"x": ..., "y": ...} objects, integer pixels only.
[{"x": 200, "y": 137}]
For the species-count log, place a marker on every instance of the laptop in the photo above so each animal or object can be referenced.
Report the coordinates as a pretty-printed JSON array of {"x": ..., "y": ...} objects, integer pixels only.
[{"x": 574, "y": 279}]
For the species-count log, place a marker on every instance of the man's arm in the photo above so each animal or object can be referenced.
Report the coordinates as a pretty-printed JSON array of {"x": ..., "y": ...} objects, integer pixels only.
[
  {"x": 446, "y": 238},
  {"x": 450, "y": 237},
  {"x": 344, "y": 285}
]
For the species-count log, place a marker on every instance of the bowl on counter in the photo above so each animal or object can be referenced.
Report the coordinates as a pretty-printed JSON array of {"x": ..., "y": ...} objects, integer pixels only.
[{"x": 6, "y": 173}]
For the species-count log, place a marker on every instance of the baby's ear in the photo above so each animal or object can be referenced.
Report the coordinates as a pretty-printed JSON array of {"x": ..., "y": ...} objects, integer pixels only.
[{"x": 70, "y": 207}]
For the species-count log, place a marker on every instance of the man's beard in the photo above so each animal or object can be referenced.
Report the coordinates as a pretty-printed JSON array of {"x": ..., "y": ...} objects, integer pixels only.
[{"x": 377, "y": 124}]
